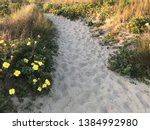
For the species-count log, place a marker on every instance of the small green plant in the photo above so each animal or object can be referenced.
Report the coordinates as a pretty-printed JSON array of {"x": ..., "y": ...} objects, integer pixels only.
[
  {"x": 138, "y": 25},
  {"x": 132, "y": 62}
]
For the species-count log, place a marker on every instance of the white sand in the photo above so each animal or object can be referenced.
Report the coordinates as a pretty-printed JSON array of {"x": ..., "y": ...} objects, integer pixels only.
[{"x": 82, "y": 82}]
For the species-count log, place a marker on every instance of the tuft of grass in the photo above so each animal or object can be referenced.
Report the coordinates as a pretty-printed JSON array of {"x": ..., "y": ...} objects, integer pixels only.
[
  {"x": 71, "y": 1},
  {"x": 126, "y": 9}
]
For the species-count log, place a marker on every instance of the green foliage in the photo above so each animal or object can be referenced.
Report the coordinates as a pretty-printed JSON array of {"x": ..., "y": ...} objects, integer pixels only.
[
  {"x": 76, "y": 10},
  {"x": 110, "y": 2},
  {"x": 23, "y": 56},
  {"x": 138, "y": 25},
  {"x": 85, "y": 10},
  {"x": 131, "y": 62},
  {"x": 4, "y": 8},
  {"x": 26, "y": 61},
  {"x": 6, "y": 104}
]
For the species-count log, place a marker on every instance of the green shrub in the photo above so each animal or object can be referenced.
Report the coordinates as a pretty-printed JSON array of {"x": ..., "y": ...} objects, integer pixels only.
[
  {"x": 76, "y": 10},
  {"x": 138, "y": 25},
  {"x": 4, "y": 8},
  {"x": 132, "y": 62},
  {"x": 6, "y": 104},
  {"x": 26, "y": 61}
]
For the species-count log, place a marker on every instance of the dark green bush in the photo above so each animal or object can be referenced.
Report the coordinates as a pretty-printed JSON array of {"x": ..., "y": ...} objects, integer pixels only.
[{"x": 131, "y": 62}]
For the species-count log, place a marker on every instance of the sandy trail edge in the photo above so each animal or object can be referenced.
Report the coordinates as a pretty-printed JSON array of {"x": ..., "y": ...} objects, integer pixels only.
[{"x": 82, "y": 82}]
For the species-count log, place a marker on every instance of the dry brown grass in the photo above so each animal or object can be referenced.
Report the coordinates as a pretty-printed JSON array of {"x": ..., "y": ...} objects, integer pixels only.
[
  {"x": 135, "y": 9},
  {"x": 71, "y": 1},
  {"x": 23, "y": 22}
]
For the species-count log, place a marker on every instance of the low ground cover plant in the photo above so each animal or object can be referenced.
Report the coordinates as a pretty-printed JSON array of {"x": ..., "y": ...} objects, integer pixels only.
[
  {"x": 27, "y": 48},
  {"x": 132, "y": 61}
]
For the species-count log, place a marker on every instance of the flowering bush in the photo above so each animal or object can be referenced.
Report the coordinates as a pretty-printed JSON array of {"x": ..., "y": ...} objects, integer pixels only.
[
  {"x": 27, "y": 48},
  {"x": 20, "y": 61}
]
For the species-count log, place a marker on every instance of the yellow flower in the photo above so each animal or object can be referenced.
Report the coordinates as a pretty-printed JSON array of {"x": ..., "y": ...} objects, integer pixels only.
[
  {"x": 34, "y": 81},
  {"x": 17, "y": 73},
  {"x": 28, "y": 43},
  {"x": 25, "y": 60},
  {"x": 44, "y": 85},
  {"x": 12, "y": 91},
  {"x": 1, "y": 41},
  {"x": 35, "y": 67},
  {"x": 39, "y": 89},
  {"x": 47, "y": 82},
  {"x": 40, "y": 63},
  {"x": 36, "y": 61},
  {"x": 6, "y": 65}
]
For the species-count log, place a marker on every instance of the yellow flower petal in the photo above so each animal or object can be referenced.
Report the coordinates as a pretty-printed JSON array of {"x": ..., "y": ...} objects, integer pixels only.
[
  {"x": 35, "y": 67},
  {"x": 17, "y": 73},
  {"x": 11, "y": 91},
  {"x": 47, "y": 82},
  {"x": 39, "y": 89},
  {"x": 40, "y": 63},
  {"x": 34, "y": 81},
  {"x": 6, "y": 65},
  {"x": 44, "y": 85},
  {"x": 28, "y": 43}
]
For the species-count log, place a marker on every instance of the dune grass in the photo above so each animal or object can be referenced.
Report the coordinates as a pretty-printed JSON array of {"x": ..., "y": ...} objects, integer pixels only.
[{"x": 131, "y": 8}]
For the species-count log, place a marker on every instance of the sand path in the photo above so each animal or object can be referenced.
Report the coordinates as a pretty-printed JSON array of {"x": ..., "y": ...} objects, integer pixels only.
[{"x": 82, "y": 82}]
